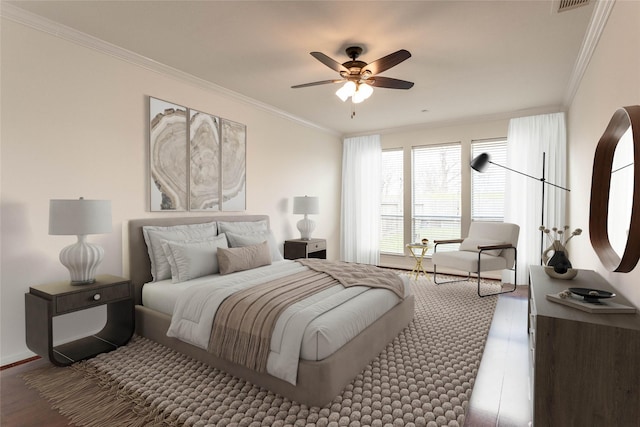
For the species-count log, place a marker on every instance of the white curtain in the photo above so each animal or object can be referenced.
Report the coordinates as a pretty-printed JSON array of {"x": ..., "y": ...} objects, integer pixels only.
[
  {"x": 360, "y": 216},
  {"x": 528, "y": 139}
]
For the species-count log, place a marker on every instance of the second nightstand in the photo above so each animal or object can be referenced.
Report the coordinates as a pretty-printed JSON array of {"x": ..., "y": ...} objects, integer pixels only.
[
  {"x": 44, "y": 302},
  {"x": 299, "y": 248}
]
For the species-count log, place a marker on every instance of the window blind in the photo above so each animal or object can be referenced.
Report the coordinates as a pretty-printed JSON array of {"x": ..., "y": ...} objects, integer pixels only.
[
  {"x": 436, "y": 192},
  {"x": 392, "y": 209},
  {"x": 487, "y": 188}
]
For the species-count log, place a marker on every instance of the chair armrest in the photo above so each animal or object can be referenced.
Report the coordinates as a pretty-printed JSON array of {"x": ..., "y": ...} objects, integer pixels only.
[
  {"x": 443, "y": 242},
  {"x": 439, "y": 242},
  {"x": 489, "y": 247}
]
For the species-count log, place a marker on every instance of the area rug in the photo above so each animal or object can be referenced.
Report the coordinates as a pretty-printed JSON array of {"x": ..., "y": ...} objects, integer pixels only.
[{"x": 423, "y": 378}]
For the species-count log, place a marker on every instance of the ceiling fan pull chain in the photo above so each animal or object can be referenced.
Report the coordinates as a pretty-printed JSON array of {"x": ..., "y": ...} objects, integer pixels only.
[{"x": 353, "y": 110}]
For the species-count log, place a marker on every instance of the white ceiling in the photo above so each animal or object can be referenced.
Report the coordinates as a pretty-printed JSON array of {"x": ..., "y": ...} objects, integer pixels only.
[{"x": 470, "y": 59}]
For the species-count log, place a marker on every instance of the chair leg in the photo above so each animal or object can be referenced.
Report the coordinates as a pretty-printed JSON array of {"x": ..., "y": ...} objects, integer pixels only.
[
  {"x": 495, "y": 293},
  {"x": 515, "y": 281},
  {"x": 435, "y": 280}
]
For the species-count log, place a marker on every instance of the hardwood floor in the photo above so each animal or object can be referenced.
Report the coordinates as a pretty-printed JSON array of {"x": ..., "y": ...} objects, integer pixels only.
[
  {"x": 21, "y": 406},
  {"x": 500, "y": 395}
]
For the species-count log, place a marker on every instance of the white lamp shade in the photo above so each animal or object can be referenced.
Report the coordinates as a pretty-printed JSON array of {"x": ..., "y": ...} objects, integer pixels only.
[
  {"x": 364, "y": 92},
  {"x": 347, "y": 90},
  {"x": 79, "y": 217},
  {"x": 306, "y": 205}
]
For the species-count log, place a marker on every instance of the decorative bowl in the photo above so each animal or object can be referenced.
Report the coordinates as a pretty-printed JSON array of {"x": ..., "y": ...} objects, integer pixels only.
[
  {"x": 570, "y": 274},
  {"x": 591, "y": 295}
]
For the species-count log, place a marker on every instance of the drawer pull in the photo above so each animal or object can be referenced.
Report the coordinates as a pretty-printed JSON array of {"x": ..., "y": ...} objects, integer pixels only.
[{"x": 96, "y": 297}]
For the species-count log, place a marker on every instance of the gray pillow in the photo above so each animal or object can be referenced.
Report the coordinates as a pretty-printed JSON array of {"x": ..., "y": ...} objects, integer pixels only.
[
  {"x": 244, "y": 258},
  {"x": 192, "y": 259},
  {"x": 242, "y": 227},
  {"x": 155, "y": 235},
  {"x": 245, "y": 239}
]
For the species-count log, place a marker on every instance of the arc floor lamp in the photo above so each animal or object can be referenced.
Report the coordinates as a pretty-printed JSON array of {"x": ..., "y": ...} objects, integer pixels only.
[{"x": 481, "y": 162}]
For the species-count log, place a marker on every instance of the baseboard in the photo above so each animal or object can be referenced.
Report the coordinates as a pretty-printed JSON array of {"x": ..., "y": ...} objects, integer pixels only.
[{"x": 19, "y": 360}]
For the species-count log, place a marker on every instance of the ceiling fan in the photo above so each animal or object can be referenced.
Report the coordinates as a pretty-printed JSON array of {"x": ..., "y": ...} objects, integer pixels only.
[{"x": 360, "y": 76}]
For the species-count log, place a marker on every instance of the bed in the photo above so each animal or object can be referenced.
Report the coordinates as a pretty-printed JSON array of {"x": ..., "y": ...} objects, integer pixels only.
[{"x": 317, "y": 381}]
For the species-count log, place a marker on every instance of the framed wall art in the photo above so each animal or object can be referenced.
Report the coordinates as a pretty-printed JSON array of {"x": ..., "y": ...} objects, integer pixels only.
[
  {"x": 197, "y": 160},
  {"x": 233, "y": 165},
  {"x": 168, "y": 156},
  {"x": 204, "y": 167}
]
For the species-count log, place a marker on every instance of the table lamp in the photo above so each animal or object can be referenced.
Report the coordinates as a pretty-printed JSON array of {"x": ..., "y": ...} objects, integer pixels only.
[
  {"x": 80, "y": 217},
  {"x": 306, "y": 206}
]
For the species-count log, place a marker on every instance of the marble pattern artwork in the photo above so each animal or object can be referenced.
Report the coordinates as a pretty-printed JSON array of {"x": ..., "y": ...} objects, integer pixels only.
[
  {"x": 197, "y": 160},
  {"x": 168, "y": 155},
  {"x": 233, "y": 165},
  {"x": 204, "y": 153}
]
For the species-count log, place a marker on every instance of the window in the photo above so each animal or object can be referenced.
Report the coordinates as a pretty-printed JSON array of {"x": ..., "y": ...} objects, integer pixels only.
[
  {"x": 487, "y": 188},
  {"x": 436, "y": 192},
  {"x": 392, "y": 210}
]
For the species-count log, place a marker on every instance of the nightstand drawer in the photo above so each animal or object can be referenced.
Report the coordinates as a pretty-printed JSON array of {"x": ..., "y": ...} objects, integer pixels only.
[
  {"x": 80, "y": 300},
  {"x": 317, "y": 246}
]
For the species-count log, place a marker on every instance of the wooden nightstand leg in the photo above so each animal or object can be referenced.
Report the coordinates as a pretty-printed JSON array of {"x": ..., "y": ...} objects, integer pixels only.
[
  {"x": 120, "y": 323},
  {"x": 38, "y": 325}
]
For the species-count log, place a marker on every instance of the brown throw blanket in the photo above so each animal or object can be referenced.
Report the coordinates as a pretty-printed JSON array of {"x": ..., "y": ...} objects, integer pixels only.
[
  {"x": 351, "y": 274},
  {"x": 244, "y": 322}
]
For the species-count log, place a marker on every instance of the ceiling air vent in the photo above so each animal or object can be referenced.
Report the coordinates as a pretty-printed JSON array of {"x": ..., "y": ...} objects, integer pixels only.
[{"x": 570, "y": 4}]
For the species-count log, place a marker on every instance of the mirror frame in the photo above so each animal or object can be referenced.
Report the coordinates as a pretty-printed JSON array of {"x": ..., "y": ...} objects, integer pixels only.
[{"x": 622, "y": 119}]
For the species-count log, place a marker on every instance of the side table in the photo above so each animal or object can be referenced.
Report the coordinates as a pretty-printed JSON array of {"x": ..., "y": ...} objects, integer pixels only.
[
  {"x": 299, "y": 248},
  {"x": 418, "y": 251},
  {"x": 44, "y": 302}
]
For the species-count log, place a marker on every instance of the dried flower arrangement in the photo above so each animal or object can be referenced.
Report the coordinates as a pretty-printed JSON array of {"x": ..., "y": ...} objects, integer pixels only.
[
  {"x": 559, "y": 261},
  {"x": 560, "y": 234}
]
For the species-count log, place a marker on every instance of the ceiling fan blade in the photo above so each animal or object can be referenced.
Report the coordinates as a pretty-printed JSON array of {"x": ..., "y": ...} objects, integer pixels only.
[
  {"x": 387, "y": 62},
  {"x": 334, "y": 65},
  {"x": 323, "y": 82},
  {"x": 390, "y": 83}
]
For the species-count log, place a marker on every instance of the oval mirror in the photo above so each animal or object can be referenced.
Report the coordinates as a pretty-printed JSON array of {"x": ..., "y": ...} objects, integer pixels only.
[{"x": 614, "y": 219}]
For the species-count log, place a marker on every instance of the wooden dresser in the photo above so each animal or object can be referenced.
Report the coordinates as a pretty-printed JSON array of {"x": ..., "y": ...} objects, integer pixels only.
[{"x": 585, "y": 368}]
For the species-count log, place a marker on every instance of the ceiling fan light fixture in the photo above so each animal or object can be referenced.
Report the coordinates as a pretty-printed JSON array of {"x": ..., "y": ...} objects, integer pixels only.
[
  {"x": 349, "y": 89},
  {"x": 364, "y": 91}
]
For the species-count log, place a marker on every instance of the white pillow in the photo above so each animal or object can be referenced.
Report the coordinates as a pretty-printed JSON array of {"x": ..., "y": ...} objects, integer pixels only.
[
  {"x": 192, "y": 259},
  {"x": 154, "y": 235},
  {"x": 471, "y": 245},
  {"x": 237, "y": 240},
  {"x": 242, "y": 227},
  {"x": 244, "y": 258}
]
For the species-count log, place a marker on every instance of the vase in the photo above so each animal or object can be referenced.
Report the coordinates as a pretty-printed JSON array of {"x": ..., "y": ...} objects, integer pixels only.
[
  {"x": 560, "y": 262},
  {"x": 558, "y": 265},
  {"x": 556, "y": 246}
]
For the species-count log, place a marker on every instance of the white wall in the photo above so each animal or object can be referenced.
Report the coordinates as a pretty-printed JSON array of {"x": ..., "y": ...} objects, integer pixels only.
[
  {"x": 612, "y": 80},
  {"x": 74, "y": 123}
]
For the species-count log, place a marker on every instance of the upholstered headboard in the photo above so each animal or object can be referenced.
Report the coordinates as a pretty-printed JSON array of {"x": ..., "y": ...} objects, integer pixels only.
[{"x": 139, "y": 262}]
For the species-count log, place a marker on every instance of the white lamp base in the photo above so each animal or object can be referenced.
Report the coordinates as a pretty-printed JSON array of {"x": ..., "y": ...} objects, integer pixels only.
[
  {"x": 306, "y": 227},
  {"x": 82, "y": 259}
]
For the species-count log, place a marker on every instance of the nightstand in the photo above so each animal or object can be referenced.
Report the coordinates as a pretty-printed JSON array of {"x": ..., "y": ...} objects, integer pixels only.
[
  {"x": 299, "y": 248},
  {"x": 44, "y": 302}
]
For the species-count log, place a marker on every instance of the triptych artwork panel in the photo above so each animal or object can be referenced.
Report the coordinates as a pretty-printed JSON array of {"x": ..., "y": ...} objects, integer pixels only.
[{"x": 197, "y": 160}]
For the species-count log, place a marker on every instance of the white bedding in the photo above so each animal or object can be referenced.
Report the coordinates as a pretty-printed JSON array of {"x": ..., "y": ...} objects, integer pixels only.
[{"x": 304, "y": 330}]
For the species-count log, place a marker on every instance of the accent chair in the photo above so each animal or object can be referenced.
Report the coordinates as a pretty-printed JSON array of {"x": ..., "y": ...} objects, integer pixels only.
[{"x": 490, "y": 246}]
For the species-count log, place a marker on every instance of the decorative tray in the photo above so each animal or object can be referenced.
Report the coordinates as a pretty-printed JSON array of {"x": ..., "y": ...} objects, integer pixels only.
[{"x": 571, "y": 299}]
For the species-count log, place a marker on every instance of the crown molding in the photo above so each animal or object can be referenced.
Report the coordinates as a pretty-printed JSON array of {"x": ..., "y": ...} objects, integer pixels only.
[
  {"x": 469, "y": 120},
  {"x": 598, "y": 21},
  {"x": 21, "y": 16}
]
